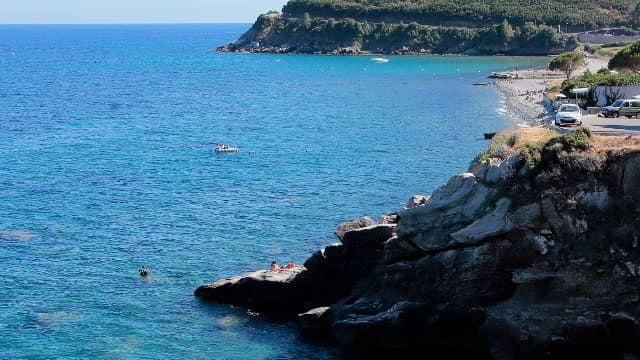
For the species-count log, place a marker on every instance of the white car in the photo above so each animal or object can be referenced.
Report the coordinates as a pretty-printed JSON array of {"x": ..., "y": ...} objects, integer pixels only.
[{"x": 569, "y": 114}]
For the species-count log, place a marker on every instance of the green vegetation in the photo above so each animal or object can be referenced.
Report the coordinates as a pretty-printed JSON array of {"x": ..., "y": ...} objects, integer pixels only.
[
  {"x": 590, "y": 80},
  {"x": 599, "y": 49},
  {"x": 536, "y": 156},
  {"x": 627, "y": 58},
  {"x": 474, "y": 27},
  {"x": 567, "y": 62},
  {"x": 314, "y": 34},
  {"x": 500, "y": 147},
  {"x": 583, "y": 14},
  {"x": 602, "y": 78}
]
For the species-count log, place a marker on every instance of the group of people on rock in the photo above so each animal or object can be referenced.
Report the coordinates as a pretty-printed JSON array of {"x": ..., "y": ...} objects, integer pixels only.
[{"x": 276, "y": 268}]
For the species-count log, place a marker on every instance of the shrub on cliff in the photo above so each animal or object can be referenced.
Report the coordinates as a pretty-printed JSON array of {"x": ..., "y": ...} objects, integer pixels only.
[{"x": 537, "y": 156}]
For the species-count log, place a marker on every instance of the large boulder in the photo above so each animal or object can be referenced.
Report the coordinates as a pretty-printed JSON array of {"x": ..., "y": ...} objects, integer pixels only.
[
  {"x": 315, "y": 322},
  {"x": 451, "y": 207},
  {"x": 368, "y": 239},
  {"x": 263, "y": 289},
  {"x": 353, "y": 225},
  {"x": 494, "y": 223}
]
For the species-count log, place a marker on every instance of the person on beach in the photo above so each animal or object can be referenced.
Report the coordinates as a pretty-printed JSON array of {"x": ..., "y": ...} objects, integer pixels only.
[
  {"x": 143, "y": 271},
  {"x": 291, "y": 265}
]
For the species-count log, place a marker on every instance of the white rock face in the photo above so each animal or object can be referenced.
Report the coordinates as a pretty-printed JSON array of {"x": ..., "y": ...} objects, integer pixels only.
[
  {"x": 492, "y": 224},
  {"x": 417, "y": 200},
  {"x": 451, "y": 207},
  {"x": 499, "y": 171},
  {"x": 353, "y": 225}
]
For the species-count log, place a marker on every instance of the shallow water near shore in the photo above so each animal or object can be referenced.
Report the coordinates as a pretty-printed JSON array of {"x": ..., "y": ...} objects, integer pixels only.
[{"x": 107, "y": 163}]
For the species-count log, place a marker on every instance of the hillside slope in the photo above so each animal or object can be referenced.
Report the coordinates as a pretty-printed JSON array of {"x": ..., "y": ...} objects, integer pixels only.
[{"x": 431, "y": 26}]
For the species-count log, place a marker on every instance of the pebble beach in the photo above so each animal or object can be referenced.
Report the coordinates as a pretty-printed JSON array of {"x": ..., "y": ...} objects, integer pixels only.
[{"x": 529, "y": 110}]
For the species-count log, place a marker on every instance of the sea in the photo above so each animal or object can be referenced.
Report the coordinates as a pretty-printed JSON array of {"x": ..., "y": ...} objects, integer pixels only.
[{"x": 107, "y": 162}]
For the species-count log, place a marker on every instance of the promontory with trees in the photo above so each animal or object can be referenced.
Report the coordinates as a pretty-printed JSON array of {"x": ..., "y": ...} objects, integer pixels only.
[{"x": 514, "y": 27}]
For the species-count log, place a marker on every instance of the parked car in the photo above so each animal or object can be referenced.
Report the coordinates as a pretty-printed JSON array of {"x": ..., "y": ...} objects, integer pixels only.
[
  {"x": 622, "y": 107},
  {"x": 569, "y": 114}
]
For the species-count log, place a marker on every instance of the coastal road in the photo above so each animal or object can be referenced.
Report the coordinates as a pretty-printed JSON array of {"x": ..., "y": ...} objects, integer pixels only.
[{"x": 612, "y": 126}]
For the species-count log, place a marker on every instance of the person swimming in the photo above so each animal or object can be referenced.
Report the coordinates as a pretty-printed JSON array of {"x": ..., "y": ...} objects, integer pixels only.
[{"x": 143, "y": 271}]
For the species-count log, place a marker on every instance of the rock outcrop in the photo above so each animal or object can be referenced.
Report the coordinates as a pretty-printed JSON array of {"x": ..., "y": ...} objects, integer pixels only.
[{"x": 510, "y": 261}]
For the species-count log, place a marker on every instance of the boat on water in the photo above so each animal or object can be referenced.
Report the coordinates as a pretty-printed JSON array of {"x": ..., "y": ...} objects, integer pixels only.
[
  {"x": 380, "y": 59},
  {"x": 224, "y": 148}
]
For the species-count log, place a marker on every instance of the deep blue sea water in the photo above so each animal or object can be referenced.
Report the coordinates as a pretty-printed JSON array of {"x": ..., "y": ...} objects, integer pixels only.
[{"x": 107, "y": 162}]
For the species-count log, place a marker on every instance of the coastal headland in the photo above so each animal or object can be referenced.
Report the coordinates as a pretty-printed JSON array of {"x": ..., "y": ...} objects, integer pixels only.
[
  {"x": 429, "y": 27},
  {"x": 533, "y": 252}
]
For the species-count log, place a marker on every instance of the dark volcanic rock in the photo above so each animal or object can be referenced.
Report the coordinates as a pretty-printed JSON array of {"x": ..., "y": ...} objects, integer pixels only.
[
  {"x": 481, "y": 267},
  {"x": 265, "y": 289},
  {"x": 368, "y": 239}
]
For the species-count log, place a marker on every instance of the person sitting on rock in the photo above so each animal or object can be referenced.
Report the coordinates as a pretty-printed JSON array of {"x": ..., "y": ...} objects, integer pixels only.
[
  {"x": 274, "y": 266},
  {"x": 291, "y": 265}
]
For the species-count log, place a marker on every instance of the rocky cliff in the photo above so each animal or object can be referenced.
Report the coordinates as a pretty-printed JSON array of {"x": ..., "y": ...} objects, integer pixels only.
[{"x": 533, "y": 254}]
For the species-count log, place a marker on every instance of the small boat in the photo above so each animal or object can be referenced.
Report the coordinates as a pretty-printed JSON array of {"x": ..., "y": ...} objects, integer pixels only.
[
  {"x": 224, "y": 148},
  {"x": 380, "y": 59}
]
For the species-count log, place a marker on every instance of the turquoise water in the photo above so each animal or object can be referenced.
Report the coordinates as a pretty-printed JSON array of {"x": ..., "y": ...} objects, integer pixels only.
[{"x": 107, "y": 162}]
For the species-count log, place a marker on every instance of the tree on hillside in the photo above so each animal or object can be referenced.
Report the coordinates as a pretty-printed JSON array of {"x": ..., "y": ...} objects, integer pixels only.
[
  {"x": 627, "y": 58},
  {"x": 306, "y": 21},
  {"x": 567, "y": 62},
  {"x": 505, "y": 32}
]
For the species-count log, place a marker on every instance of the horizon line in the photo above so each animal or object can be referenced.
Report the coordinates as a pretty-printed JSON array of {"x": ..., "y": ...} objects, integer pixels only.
[{"x": 132, "y": 23}]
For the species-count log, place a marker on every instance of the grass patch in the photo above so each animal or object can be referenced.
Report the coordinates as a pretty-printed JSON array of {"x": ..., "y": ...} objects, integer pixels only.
[{"x": 509, "y": 141}]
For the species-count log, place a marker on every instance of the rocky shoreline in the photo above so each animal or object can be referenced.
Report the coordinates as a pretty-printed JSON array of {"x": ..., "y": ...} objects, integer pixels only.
[{"x": 528, "y": 256}]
